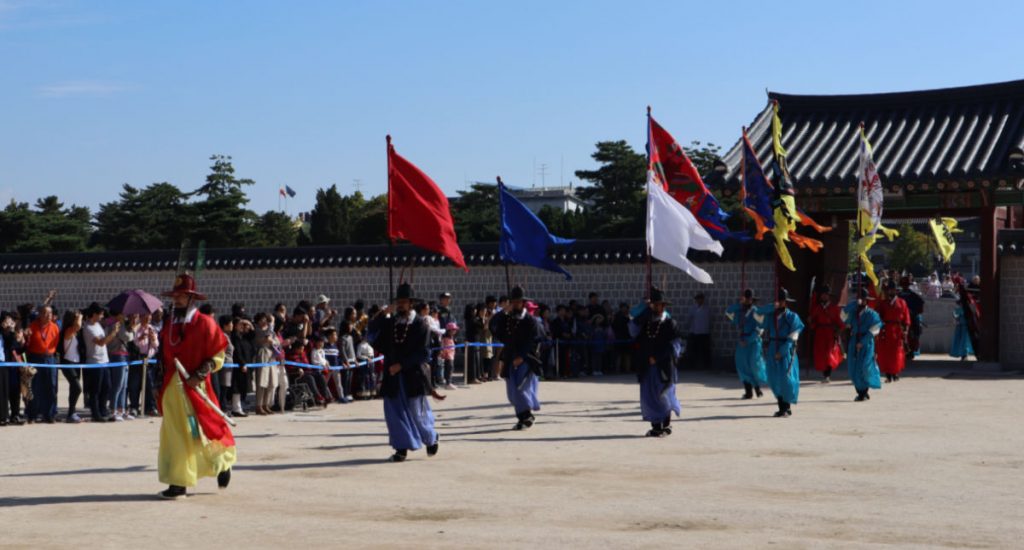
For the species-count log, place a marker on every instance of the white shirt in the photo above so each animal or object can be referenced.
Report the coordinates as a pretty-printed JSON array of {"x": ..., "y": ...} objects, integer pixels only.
[
  {"x": 71, "y": 350},
  {"x": 96, "y": 353}
]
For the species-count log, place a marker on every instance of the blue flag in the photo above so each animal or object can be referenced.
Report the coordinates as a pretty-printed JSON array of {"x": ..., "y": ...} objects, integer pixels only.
[
  {"x": 289, "y": 190},
  {"x": 757, "y": 191},
  {"x": 524, "y": 238}
]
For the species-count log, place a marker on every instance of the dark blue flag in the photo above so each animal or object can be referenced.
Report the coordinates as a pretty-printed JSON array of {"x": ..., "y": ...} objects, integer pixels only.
[
  {"x": 524, "y": 238},
  {"x": 757, "y": 191},
  {"x": 289, "y": 190}
]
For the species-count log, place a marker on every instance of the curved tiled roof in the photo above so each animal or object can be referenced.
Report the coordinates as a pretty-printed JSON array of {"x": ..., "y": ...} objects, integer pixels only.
[
  {"x": 476, "y": 254},
  {"x": 923, "y": 140}
]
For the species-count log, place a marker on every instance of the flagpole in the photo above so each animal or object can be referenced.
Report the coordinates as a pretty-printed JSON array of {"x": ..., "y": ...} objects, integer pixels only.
[
  {"x": 860, "y": 259},
  {"x": 743, "y": 204},
  {"x": 391, "y": 242},
  {"x": 648, "y": 267}
]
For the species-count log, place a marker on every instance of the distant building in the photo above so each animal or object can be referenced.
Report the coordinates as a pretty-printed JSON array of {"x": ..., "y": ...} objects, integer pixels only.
[{"x": 563, "y": 199}]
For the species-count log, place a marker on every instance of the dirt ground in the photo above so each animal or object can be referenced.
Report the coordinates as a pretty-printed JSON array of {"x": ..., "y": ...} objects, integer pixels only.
[{"x": 928, "y": 462}]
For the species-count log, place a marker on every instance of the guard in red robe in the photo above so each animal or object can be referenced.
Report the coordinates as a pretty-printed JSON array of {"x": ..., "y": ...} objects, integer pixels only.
[
  {"x": 891, "y": 342},
  {"x": 195, "y": 441},
  {"x": 826, "y": 323}
]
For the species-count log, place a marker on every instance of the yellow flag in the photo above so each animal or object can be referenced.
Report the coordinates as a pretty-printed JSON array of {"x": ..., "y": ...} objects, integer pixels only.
[{"x": 943, "y": 229}]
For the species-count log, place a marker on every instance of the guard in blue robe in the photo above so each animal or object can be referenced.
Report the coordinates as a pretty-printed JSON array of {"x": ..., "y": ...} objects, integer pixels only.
[
  {"x": 864, "y": 324},
  {"x": 520, "y": 335},
  {"x": 404, "y": 340},
  {"x": 961, "y": 337},
  {"x": 783, "y": 328},
  {"x": 658, "y": 343},
  {"x": 749, "y": 357}
]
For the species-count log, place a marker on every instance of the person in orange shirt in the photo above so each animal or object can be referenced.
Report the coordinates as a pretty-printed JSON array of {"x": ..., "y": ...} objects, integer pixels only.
[{"x": 43, "y": 335}]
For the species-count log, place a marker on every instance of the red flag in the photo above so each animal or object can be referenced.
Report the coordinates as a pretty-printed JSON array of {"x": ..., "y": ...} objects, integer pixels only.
[{"x": 418, "y": 211}]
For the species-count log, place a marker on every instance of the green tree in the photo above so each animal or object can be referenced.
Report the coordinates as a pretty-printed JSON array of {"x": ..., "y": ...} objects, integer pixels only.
[
  {"x": 617, "y": 193},
  {"x": 477, "y": 214},
  {"x": 154, "y": 218},
  {"x": 275, "y": 229},
  {"x": 913, "y": 251},
  {"x": 328, "y": 220},
  {"x": 372, "y": 225},
  {"x": 222, "y": 220},
  {"x": 704, "y": 156},
  {"x": 568, "y": 224},
  {"x": 50, "y": 227}
]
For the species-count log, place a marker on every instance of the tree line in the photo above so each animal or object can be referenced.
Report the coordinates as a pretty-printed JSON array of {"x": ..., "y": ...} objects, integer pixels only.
[{"x": 162, "y": 215}]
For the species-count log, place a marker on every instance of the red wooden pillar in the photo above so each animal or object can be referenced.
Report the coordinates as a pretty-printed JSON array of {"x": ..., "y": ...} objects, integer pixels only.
[{"x": 992, "y": 220}]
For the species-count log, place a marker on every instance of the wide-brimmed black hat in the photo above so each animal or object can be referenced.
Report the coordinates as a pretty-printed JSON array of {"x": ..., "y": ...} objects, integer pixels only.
[
  {"x": 749, "y": 295},
  {"x": 517, "y": 293},
  {"x": 783, "y": 296},
  {"x": 863, "y": 294},
  {"x": 658, "y": 296},
  {"x": 824, "y": 289},
  {"x": 889, "y": 285},
  {"x": 405, "y": 292},
  {"x": 698, "y": 296}
]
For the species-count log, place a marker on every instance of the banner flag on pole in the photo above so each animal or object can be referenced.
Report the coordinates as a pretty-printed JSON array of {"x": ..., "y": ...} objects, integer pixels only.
[
  {"x": 756, "y": 192},
  {"x": 672, "y": 230},
  {"x": 682, "y": 181},
  {"x": 784, "y": 211},
  {"x": 524, "y": 238},
  {"x": 869, "y": 207},
  {"x": 418, "y": 211},
  {"x": 943, "y": 229}
]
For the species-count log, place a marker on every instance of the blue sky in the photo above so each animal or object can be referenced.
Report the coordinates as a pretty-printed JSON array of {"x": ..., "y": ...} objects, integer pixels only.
[{"x": 100, "y": 93}]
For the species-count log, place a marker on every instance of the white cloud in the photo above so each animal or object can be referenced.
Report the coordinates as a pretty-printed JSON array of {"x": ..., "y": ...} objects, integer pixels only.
[{"x": 81, "y": 88}]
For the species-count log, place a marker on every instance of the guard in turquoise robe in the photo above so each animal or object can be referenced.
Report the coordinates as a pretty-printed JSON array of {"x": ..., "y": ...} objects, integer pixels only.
[
  {"x": 748, "y": 357},
  {"x": 864, "y": 324},
  {"x": 783, "y": 328}
]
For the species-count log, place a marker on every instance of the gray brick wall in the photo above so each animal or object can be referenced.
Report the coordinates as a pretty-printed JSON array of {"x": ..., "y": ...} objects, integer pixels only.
[
  {"x": 261, "y": 289},
  {"x": 1011, "y": 311}
]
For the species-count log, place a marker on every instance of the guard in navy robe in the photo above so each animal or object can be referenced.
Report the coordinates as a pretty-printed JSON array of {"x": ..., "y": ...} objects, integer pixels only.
[
  {"x": 520, "y": 335},
  {"x": 404, "y": 340},
  {"x": 658, "y": 343}
]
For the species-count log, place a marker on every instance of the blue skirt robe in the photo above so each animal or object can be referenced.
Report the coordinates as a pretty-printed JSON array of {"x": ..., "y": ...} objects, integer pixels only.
[
  {"x": 784, "y": 372},
  {"x": 657, "y": 396},
  {"x": 410, "y": 420},
  {"x": 961, "y": 339},
  {"x": 521, "y": 388},
  {"x": 749, "y": 356},
  {"x": 863, "y": 366}
]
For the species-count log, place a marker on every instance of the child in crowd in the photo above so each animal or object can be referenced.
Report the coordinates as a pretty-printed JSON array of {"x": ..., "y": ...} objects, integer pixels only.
[
  {"x": 364, "y": 354},
  {"x": 446, "y": 356}
]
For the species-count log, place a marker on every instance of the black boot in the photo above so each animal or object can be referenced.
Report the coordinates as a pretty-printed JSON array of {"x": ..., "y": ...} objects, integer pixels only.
[
  {"x": 758, "y": 392},
  {"x": 827, "y": 376},
  {"x": 174, "y": 492},
  {"x": 789, "y": 408},
  {"x": 655, "y": 430},
  {"x": 860, "y": 396},
  {"x": 748, "y": 391},
  {"x": 782, "y": 408},
  {"x": 224, "y": 478},
  {"x": 399, "y": 456},
  {"x": 432, "y": 449},
  {"x": 665, "y": 426},
  {"x": 888, "y": 378}
]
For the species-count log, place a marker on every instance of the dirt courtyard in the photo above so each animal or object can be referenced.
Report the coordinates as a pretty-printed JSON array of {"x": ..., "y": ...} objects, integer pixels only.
[{"x": 928, "y": 462}]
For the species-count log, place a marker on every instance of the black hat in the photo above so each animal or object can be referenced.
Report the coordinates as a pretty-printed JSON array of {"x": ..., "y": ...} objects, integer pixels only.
[
  {"x": 889, "y": 285},
  {"x": 658, "y": 296},
  {"x": 93, "y": 309},
  {"x": 404, "y": 292},
  {"x": 749, "y": 294},
  {"x": 864, "y": 295},
  {"x": 444, "y": 295},
  {"x": 698, "y": 296},
  {"x": 783, "y": 296},
  {"x": 517, "y": 293},
  {"x": 825, "y": 289}
]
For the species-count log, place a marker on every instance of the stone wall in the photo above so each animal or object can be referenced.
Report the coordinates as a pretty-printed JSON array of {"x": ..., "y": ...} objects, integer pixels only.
[
  {"x": 1011, "y": 311},
  {"x": 260, "y": 289}
]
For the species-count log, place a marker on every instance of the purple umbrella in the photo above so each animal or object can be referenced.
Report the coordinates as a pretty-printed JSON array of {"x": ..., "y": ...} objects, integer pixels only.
[{"x": 132, "y": 302}]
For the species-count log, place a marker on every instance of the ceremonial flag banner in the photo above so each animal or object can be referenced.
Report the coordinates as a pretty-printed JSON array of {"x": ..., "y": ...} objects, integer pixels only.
[
  {"x": 757, "y": 191},
  {"x": 524, "y": 238},
  {"x": 943, "y": 229},
  {"x": 418, "y": 211},
  {"x": 869, "y": 207},
  {"x": 672, "y": 230},
  {"x": 784, "y": 211},
  {"x": 681, "y": 179}
]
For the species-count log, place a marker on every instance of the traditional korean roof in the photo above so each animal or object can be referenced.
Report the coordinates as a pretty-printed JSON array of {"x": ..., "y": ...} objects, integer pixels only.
[
  {"x": 923, "y": 141},
  {"x": 476, "y": 254}
]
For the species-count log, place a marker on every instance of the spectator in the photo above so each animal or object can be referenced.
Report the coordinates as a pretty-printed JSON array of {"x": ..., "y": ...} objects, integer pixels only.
[
  {"x": 243, "y": 341},
  {"x": 347, "y": 351},
  {"x": 98, "y": 379},
  {"x": 473, "y": 319},
  {"x": 364, "y": 353},
  {"x": 594, "y": 305},
  {"x": 620, "y": 332},
  {"x": 323, "y": 315},
  {"x": 444, "y": 310},
  {"x": 72, "y": 351},
  {"x": 446, "y": 356},
  {"x": 266, "y": 376},
  {"x": 14, "y": 349},
  {"x": 146, "y": 342},
  {"x": 698, "y": 341},
  {"x": 119, "y": 352},
  {"x": 226, "y": 374},
  {"x": 43, "y": 337}
]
